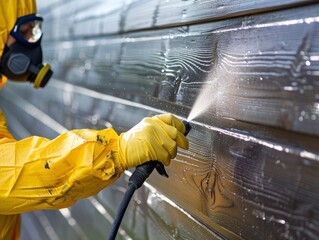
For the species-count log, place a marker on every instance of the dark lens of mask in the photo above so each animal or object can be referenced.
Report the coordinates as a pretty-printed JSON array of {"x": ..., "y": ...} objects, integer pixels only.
[{"x": 21, "y": 63}]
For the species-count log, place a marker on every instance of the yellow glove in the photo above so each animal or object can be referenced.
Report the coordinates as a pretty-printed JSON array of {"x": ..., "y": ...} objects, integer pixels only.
[{"x": 154, "y": 138}]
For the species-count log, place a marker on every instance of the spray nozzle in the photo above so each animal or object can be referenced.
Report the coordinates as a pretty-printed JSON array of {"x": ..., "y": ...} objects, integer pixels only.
[{"x": 188, "y": 127}]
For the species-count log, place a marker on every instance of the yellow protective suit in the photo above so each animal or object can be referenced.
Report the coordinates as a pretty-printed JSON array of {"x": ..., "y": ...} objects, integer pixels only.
[
  {"x": 36, "y": 173},
  {"x": 9, "y": 12}
]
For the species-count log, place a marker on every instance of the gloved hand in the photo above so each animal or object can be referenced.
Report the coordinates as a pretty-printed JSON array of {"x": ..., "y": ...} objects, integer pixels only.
[{"x": 154, "y": 138}]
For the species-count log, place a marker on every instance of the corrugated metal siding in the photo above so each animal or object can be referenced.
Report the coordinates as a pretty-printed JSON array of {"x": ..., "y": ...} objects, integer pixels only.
[{"x": 252, "y": 165}]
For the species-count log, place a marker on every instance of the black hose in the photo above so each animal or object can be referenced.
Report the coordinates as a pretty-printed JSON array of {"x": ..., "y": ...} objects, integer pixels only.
[
  {"x": 121, "y": 211},
  {"x": 136, "y": 180}
]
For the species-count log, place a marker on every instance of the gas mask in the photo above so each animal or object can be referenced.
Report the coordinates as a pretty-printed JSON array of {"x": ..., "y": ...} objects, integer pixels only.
[{"x": 22, "y": 61}]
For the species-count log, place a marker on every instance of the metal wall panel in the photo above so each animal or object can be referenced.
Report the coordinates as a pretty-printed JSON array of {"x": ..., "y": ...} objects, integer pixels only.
[{"x": 252, "y": 165}]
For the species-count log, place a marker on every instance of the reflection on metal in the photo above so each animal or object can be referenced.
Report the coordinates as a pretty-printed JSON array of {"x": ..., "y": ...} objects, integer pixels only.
[
  {"x": 68, "y": 88},
  {"x": 73, "y": 223},
  {"x": 31, "y": 228},
  {"x": 100, "y": 208},
  {"x": 155, "y": 195},
  {"x": 33, "y": 111},
  {"x": 252, "y": 165}
]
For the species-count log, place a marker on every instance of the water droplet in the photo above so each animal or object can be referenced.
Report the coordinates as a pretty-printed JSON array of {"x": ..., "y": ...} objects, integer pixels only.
[
  {"x": 175, "y": 233},
  {"x": 281, "y": 221},
  {"x": 306, "y": 162},
  {"x": 184, "y": 13}
]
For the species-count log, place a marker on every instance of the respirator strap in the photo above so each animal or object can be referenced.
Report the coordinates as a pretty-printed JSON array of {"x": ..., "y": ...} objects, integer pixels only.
[{"x": 38, "y": 82}]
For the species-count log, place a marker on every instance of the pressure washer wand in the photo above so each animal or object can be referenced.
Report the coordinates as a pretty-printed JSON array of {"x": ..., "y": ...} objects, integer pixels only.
[{"x": 138, "y": 177}]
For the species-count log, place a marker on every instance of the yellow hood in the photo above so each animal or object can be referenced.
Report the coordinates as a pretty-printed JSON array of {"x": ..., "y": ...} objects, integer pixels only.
[{"x": 10, "y": 10}]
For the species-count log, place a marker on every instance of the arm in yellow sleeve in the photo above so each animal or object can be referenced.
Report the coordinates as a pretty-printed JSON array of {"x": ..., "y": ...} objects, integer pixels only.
[{"x": 38, "y": 173}]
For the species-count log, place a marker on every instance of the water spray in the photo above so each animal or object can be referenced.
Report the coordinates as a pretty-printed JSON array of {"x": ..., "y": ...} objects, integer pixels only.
[
  {"x": 138, "y": 177},
  {"x": 204, "y": 100}
]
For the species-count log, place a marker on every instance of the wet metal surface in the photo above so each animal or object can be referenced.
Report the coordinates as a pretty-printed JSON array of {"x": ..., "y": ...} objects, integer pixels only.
[
  {"x": 270, "y": 79},
  {"x": 230, "y": 179},
  {"x": 253, "y": 161}
]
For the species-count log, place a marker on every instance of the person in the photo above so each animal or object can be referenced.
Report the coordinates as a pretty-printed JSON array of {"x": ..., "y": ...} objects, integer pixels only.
[{"x": 38, "y": 173}]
